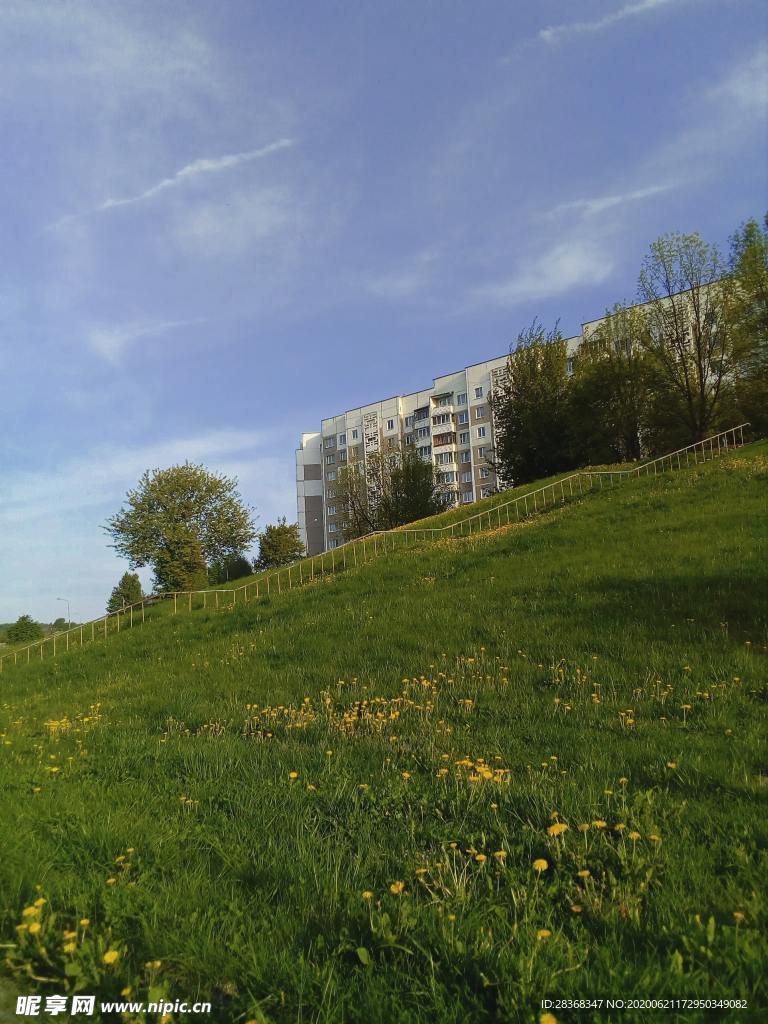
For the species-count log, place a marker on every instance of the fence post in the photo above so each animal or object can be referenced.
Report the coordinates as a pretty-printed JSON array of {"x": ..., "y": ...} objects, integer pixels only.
[
  {"x": 142, "y": 611},
  {"x": 174, "y": 602},
  {"x": 189, "y": 601}
]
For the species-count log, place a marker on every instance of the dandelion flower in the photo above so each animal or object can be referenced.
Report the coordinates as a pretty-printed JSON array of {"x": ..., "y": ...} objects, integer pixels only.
[
  {"x": 655, "y": 839},
  {"x": 671, "y": 764},
  {"x": 600, "y": 823},
  {"x": 540, "y": 865},
  {"x": 111, "y": 956},
  {"x": 738, "y": 916},
  {"x": 480, "y": 858},
  {"x": 576, "y": 908},
  {"x": 557, "y": 829},
  {"x": 547, "y": 1018},
  {"x": 293, "y": 775},
  {"x": 500, "y": 855},
  {"x": 584, "y": 827},
  {"x": 111, "y": 881},
  {"x": 623, "y": 781},
  {"x": 396, "y": 888},
  {"x": 85, "y": 921},
  {"x": 543, "y": 933},
  {"x": 69, "y": 947},
  {"x": 584, "y": 873},
  {"x": 619, "y": 827},
  {"x": 367, "y": 894},
  {"x": 634, "y": 836},
  {"x": 40, "y": 902},
  {"x": 30, "y": 912},
  {"x": 35, "y": 927}
]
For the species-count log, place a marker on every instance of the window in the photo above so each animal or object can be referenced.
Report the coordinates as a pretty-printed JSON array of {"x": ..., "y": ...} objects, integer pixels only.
[
  {"x": 466, "y": 457},
  {"x": 342, "y": 456},
  {"x": 331, "y": 510},
  {"x": 342, "y": 438},
  {"x": 421, "y": 414},
  {"x": 355, "y": 435},
  {"x": 425, "y": 452},
  {"x": 445, "y": 400},
  {"x": 391, "y": 442},
  {"x": 329, "y": 442},
  {"x": 409, "y": 421},
  {"x": 449, "y": 438},
  {"x": 467, "y": 496},
  {"x": 447, "y": 478},
  {"x": 466, "y": 478},
  {"x": 443, "y": 417},
  {"x": 464, "y": 437},
  {"x": 486, "y": 492},
  {"x": 330, "y": 492},
  {"x": 422, "y": 432},
  {"x": 330, "y": 475},
  {"x": 479, "y": 392},
  {"x": 330, "y": 459},
  {"x": 569, "y": 365},
  {"x": 333, "y": 543},
  {"x": 461, "y": 399},
  {"x": 481, "y": 453},
  {"x": 463, "y": 417},
  {"x": 444, "y": 458},
  {"x": 331, "y": 527},
  {"x": 481, "y": 431},
  {"x": 390, "y": 424},
  {"x": 484, "y": 473},
  {"x": 480, "y": 412},
  {"x": 408, "y": 438}
]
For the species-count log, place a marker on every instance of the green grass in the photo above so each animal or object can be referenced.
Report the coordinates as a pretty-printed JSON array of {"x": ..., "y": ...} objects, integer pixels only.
[{"x": 622, "y": 637}]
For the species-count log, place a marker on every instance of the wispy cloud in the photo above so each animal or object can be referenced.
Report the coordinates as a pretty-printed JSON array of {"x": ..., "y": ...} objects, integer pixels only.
[
  {"x": 556, "y": 33},
  {"x": 598, "y": 204},
  {"x": 190, "y": 171},
  {"x": 110, "y": 342},
  {"x": 563, "y": 267}
]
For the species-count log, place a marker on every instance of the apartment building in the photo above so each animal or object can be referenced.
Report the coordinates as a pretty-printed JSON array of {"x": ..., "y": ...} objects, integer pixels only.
[{"x": 450, "y": 424}]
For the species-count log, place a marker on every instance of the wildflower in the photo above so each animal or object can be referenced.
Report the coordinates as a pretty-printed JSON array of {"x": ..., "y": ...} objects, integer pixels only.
[
  {"x": 623, "y": 781},
  {"x": 543, "y": 933},
  {"x": 738, "y": 917},
  {"x": 35, "y": 927},
  {"x": 111, "y": 956},
  {"x": 84, "y": 922},
  {"x": 671, "y": 764},
  {"x": 576, "y": 908},
  {"x": 584, "y": 873},
  {"x": 494, "y": 807},
  {"x": 634, "y": 836},
  {"x": 69, "y": 947},
  {"x": 111, "y": 881},
  {"x": 40, "y": 902},
  {"x": 600, "y": 823},
  {"x": 620, "y": 827},
  {"x": 540, "y": 865},
  {"x": 557, "y": 829},
  {"x": 406, "y": 775},
  {"x": 480, "y": 858},
  {"x": 30, "y": 912},
  {"x": 293, "y": 775},
  {"x": 311, "y": 787},
  {"x": 396, "y": 888},
  {"x": 584, "y": 827},
  {"x": 500, "y": 855},
  {"x": 367, "y": 894},
  {"x": 131, "y": 849},
  {"x": 655, "y": 838},
  {"x": 70, "y": 935},
  {"x": 22, "y": 928},
  {"x": 608, "y": 792},
  {"x": 547, "y": 1018}
]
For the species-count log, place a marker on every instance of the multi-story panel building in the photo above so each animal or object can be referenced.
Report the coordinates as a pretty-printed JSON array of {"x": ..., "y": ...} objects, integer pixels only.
[{"x": 449, "y": 424}]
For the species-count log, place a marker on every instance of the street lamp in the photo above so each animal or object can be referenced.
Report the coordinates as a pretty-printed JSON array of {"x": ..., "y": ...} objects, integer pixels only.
[{"x": 69, "y": 617}]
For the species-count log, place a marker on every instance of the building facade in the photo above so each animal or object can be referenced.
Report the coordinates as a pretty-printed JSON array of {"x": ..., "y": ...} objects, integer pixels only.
[{"x": 450, "y": 424}]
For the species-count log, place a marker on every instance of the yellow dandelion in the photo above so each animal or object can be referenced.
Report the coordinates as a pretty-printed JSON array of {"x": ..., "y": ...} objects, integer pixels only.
[
  {"x": 111, "y": 956},
  {"x": 547, "y": 1018},
  {"x": 576, "y": 908},
  {"x": 35, "y": 927},
  {"x": 480, "y": 858},
  {"x": 396, "y": 888},
  {"x": 619, "y": 827},
  {"x": 111, "y": 881},
  {"x": 543, "y": 933},
  {"x": 600, "y": 823},
  {"x": 69, "y": 947},
  {"x": 557, "y": 829},
  {"x": 22, "y": 927},
  {"x": 84, "y": 922},
  {"x": 500, "y": 855},
  {"x": 634, "y": 836},
  {"x": 293, "y": 775},
  {"x": 70, "y": 935},
  {"x": 584, "y": 827},
  {"x": 738, "y": 916},
  {"x": 623, "y": 781},
  {"x": 671, "y": 764},
  {"x": 367, "y": 894},
  {"x": 30, "y": 912},
  {"x": 540, "y": 865},
  {"x": 40, "y": 902},
  {"x": 584, "y": 873},
  {"x": 655, "y": 839}
]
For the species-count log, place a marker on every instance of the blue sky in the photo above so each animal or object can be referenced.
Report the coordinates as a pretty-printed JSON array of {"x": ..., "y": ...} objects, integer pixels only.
[{"x": 223, "y": 222}]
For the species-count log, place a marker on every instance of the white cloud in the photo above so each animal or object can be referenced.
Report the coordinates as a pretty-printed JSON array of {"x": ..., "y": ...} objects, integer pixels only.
[
  {"x": 598, "y": 204},
  {"x": 190, "y": 171},
  {"x": 222, "y": 228},
  {"x": 51, "y": 541},
  {"x": 110, "y": 342},
  {"x": 562, "y": 268},
  {"x": 556, "y": 33}
]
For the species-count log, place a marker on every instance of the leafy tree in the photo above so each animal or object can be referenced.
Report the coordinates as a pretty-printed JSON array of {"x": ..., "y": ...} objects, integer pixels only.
[
  {"x": 128, "y": 591},
  {"x": 59, "y": 624},
  {"x": 747, "y": 314},
  {"x": 279, "y": 544},
  {"x": 390, "y": 488},
  {"x": 178, "y": 520},
  {"x": 532, "y": 410},
  {"x": 610, "y": 389},
  {"x": 686, "y": 333},
  {"x": 234, "y": 567},
  {"x": 24, "y": 629}
]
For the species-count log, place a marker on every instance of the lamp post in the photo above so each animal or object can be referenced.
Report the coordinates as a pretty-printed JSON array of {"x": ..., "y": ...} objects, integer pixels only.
[{"x": 69, "y": 617}]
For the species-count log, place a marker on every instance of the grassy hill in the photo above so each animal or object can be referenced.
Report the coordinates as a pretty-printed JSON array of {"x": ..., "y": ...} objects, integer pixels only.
[{"x": 348, "y": 802}]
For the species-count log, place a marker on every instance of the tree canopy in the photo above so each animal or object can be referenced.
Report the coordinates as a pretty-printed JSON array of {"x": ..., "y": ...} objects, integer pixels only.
[
  {"x": 279, "y": 544},
  {"x": 128, "y": 591},
  {"x": 24, "y": 629},
  {"x": 178, "y": 520}
]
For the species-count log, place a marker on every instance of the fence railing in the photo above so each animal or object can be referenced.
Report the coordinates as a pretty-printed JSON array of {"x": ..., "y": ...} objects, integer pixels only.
[{"x": 359, "y": 550}]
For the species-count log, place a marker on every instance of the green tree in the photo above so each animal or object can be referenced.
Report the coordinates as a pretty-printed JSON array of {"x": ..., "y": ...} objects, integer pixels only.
[
  {"x": 686, "y": 335},
  {"x": 128, "y": 591},
  {"x": 532, "y": 409},
  {"x": 610, "y": 389},
  {"x": 178, "y": 520},
  {"x": 233, "y": 567},
  {"x": 390, "y": 488},
  {"x": 279, "y": 544},
  {"x": 747, "y": 314},
  {"x": 24, "y": 629}
]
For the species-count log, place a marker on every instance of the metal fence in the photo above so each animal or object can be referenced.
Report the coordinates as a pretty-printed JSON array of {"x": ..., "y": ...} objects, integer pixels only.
[{"x": 360, "y": 550}]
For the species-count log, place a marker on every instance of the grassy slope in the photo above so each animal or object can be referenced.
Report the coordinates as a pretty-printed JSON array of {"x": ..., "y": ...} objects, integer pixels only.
[{"x": 251, "y": 893}]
